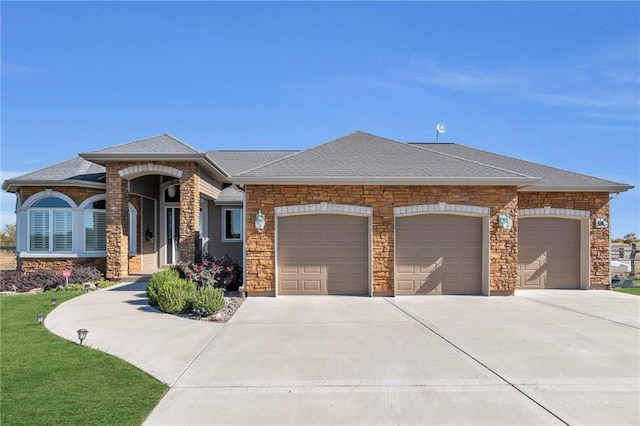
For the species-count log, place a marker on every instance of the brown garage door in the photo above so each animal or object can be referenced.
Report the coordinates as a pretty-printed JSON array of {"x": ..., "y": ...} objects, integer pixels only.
[
  {"x": 323, "y": 254},
  {"x": 438, "y": 254},
  {"x": 548, "y": 253}
]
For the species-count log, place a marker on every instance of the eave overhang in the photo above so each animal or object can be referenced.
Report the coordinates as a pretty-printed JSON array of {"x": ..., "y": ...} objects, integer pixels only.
[
  {"x": 520, "y": 182},
  {"x": 578, "y": 188},
  {"x": 203, "y": 160},
  {"x": 12, "y": 185}
]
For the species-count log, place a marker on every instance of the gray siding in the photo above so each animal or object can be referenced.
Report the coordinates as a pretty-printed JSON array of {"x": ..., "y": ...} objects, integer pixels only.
[{"x": 217, "y": 247}]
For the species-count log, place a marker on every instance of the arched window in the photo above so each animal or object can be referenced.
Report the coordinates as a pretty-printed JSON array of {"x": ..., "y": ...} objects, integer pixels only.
[
  {"x": 50, "y": 225},
  {"x": 95, "y": 226}
]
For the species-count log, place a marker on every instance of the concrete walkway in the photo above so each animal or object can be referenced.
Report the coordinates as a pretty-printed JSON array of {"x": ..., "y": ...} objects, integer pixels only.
[
  {"x": 544, "y": 357},
  {"x": 121, "y": 323}
]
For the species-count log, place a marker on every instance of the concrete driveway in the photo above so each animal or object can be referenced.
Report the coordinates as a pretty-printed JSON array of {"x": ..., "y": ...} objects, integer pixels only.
[{"x": 541, "y": 357}]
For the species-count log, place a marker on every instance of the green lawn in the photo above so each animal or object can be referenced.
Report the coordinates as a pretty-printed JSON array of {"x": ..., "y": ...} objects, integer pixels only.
[
  {"x": 630, "y": 290},
  {"x": 45, "y": 379}
]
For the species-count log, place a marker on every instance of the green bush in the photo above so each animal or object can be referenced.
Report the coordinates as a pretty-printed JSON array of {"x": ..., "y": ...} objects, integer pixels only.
[
  {"x": 175, "y": 296},
  {"x": 208, "y": 299},
  {"x": 157, "y": 280}
]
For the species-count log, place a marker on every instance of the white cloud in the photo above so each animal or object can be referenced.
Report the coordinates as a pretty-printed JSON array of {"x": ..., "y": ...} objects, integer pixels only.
[{"x": 17, "y": 68}]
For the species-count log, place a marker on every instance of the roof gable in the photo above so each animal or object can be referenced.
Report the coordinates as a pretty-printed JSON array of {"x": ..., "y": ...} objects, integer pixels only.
[{"x": 161, "y": 144}]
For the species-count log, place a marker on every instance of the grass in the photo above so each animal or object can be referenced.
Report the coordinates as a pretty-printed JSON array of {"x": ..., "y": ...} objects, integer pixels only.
[
  {"x": 629, "y": 290},
  {"x": 45, "y": 379}
]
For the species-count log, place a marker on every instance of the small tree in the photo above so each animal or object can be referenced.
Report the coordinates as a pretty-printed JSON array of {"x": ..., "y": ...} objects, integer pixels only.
[
  {"x": 630, "y": 238},
  {"x": 8, "y": 235}
]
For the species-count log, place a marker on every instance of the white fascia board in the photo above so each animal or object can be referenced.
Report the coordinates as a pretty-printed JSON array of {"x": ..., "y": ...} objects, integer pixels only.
[
  {"x": 575, "y": 188},
  {"x": 13, "y": 185},
  {"x": 202, "y": 159},
  {"x": 361, "y": 180}
]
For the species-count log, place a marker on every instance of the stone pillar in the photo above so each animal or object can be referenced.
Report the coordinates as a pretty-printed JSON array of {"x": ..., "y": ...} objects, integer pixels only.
[
  {"x": 189, "y": 211},
  {"x": 117, "y": 223}
]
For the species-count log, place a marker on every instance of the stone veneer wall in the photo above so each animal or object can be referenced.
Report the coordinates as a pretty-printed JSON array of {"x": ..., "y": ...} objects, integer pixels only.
[
  {"x": 597, "y": 204},
  {"x": 78, "y": 195},
  {"x": 189, "y": 210},
  {"x": 260, "y": 248},
  {"x": 118, "y": 215},
  {"x": 58, "y": 264}
]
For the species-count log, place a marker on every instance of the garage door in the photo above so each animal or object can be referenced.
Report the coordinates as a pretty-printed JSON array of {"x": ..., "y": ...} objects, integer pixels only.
[
  {"x": 548, "y": 253},
  {"x": 438, "y": 254},
  {"x": 323, "y": 254}
]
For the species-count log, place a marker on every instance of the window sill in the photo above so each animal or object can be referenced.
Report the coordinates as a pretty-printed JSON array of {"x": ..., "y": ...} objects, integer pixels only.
[{"x": 48, "y": 255}]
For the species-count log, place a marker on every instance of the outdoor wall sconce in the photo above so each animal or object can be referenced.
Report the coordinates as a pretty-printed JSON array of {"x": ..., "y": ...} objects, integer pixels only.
[
  {"x": 505, "y": 222},
  {"x": 82, "y": 334},
  {"x": 54, "y": 302},
  {"x": 171, "y": 191},
  {"x": 601, "y": 223},
  {"x": 40, "y": 318},
  {"x": 260, "y": 222}
]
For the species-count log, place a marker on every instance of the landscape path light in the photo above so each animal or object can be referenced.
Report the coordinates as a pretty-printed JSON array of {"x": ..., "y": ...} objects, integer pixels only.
[
  {"x": 40, "y": 318},
  {"x": 54, "y": 301},
  {"x": 82, "y": 334}
]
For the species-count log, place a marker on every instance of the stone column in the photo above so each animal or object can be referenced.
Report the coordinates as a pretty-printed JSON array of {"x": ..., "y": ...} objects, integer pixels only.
[
  {"x": 189, "y": 211},
  {"x": 117, "y": 223}
]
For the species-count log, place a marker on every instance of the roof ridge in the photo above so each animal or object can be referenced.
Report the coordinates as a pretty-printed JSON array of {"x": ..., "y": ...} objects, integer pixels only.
[
  {"x": 531, "y": 162},
  {"x": 144, "y": 139},
  {"x": 312, "y": 148},
  {"x": 182, "y": 142},
  {"x": 469, "y": 161},
  {"x": 254, "y": 150}
]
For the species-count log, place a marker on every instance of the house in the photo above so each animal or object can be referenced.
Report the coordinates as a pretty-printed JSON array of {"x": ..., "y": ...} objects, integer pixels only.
[{"x": 361, "y": 215}]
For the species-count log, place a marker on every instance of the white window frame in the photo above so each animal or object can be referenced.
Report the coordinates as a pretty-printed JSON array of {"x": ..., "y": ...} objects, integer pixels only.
[
  {"x": 224, "y": 225},
  {"x": 50, "y": 210},
  {"x": 84, "y": 209}
]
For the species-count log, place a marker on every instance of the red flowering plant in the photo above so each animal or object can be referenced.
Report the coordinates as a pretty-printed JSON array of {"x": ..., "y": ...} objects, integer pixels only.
[{"x": 209, "y": 272}]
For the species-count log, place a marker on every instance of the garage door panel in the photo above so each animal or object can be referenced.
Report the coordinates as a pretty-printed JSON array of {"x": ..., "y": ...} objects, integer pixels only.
[
  {"x": 548, "y": 253},
  {"x": 438, "y": 254},
  {"x": 329, "y": 254}
]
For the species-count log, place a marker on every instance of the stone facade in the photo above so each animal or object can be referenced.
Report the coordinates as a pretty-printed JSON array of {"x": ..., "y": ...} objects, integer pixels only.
[
  {"x": 117, "y": 223},
  {"x": 260, "y": 248},
  {"x": 119, "y": 264},
  {"x": 189, "y": 210},
  {"x": 597, "y": 204},
  {"x": 78, "y": 195},
  {"x": 58, "y": 264}
]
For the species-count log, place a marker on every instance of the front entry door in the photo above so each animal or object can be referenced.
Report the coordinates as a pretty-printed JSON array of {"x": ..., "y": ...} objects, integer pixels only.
[{"x": 173, "y": 234}]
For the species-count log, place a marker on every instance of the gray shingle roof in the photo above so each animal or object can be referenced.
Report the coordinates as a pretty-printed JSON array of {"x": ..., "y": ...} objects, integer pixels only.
[
  {"x": 229, "y": 195},
  {"x": 162, "y": 144},
  {"x": 73, "y": 169},
  {"x": 235, "y": 162},
  {"x": 551, "y": 176},
  {"x": 362, "y": 155}
]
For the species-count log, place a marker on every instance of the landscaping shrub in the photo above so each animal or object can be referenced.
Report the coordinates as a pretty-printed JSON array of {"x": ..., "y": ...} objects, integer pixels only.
[
  {"x": 220, "y": 272},
  {"x": 47, "y": 279},
  {"x": 174, "y": 296},
  {"x": 13, "y": 281},
  {"x": 208, "y": 299},
  {"x": 83, "y": 274},
  {"x": 156, "y": 281}
]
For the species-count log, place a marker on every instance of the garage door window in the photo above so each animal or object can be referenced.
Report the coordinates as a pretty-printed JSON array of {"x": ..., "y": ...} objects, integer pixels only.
[{"x": 232, "y": 225}]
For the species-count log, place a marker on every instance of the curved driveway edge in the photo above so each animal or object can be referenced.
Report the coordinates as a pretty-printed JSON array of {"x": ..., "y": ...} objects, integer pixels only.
[{"x": 121, "y": 323}]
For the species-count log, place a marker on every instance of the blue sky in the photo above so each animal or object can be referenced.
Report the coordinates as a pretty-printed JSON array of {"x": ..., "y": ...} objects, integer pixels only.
[{"x": 554, "y": 83}]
